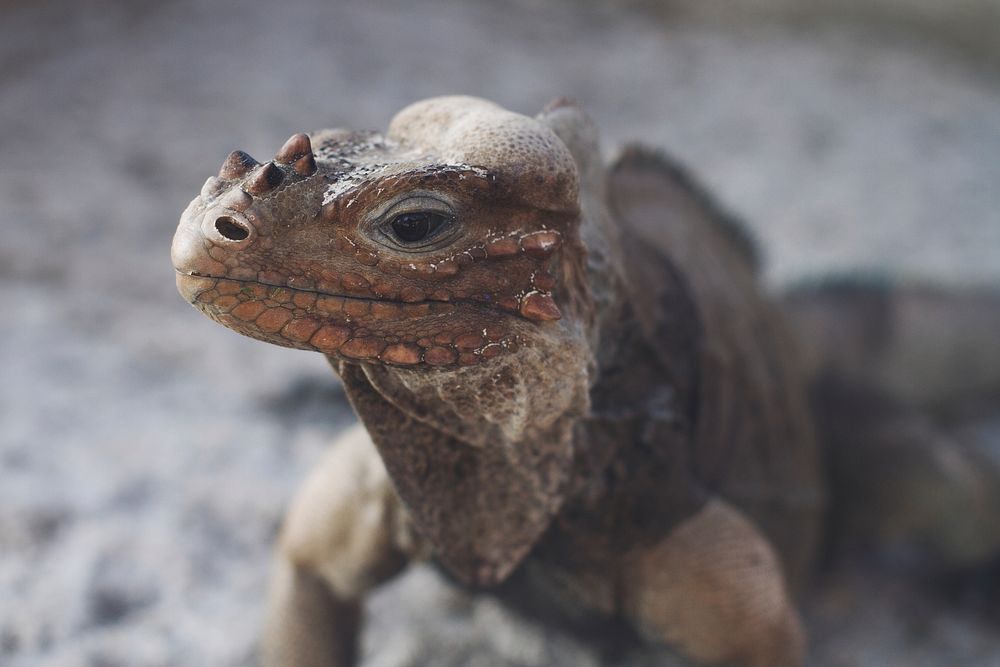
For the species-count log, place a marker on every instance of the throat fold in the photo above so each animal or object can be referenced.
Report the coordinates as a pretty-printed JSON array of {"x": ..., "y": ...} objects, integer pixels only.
[{"x": 482, "y": 457}]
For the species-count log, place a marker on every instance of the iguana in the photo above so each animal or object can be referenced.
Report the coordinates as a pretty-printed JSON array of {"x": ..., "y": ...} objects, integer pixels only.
[{"x": 573, "y": 391}]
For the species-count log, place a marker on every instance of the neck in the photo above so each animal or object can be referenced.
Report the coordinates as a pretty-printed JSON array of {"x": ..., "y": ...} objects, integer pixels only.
[{"x": 482, "y": 456}]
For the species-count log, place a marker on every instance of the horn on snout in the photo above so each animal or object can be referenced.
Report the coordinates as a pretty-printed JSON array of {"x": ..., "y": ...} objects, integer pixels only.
[
  {"x": 297, "y": 151},
  {"x": 237, "y": 165}
]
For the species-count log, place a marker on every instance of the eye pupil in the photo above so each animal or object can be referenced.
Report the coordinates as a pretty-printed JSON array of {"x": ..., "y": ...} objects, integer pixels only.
[{"x": 413, "y": 227}]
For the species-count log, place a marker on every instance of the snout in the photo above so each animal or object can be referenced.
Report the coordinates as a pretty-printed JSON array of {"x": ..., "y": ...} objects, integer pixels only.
[
  {"x": 209, "y": 240},
  {"x": 223, "y": 222}
]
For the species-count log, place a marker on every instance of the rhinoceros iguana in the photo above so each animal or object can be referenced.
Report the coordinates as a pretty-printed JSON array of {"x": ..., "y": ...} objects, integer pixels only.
[{"x": 572, "y": 387}]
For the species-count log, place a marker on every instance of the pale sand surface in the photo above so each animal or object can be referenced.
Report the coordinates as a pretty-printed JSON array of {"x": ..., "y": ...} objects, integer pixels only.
[{"x": 146, "y": 454}]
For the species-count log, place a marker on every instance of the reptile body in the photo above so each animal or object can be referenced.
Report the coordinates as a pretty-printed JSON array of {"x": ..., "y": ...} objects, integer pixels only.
[{"x": 568, "y": 374}]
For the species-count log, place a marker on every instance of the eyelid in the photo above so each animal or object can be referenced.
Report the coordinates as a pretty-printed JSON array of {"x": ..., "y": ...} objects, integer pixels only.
[{"x": 413, "y": 202}]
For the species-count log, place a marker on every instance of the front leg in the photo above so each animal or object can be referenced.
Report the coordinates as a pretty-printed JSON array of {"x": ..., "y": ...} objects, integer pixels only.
[
  {"x": 343, "y": 535},
  {"x": 308, "y": 625},
  {"x": 714, "y": 589}
]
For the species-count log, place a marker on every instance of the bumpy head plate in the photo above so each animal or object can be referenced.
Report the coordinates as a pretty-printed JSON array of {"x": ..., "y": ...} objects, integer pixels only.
[{"x": 436, "y": 245}]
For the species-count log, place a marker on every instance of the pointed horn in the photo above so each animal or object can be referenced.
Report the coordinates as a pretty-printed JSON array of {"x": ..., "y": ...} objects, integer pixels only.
[
  {"x": 237, "y": 165},
  {"x": 212, "y": 187},
  {"x": 540, "y": 307},
  {"x": 267, "y": 178},
  {"x": 305, "y": 165},
  {"x": 296, "y": 146}
]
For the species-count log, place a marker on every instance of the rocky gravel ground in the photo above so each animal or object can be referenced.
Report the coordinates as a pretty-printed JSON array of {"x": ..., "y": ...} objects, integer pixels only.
[{"x": 146, "y": 454}]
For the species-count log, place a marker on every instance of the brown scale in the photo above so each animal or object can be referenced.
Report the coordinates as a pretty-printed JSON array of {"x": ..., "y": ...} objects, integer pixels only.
[{"x": 266, "y": 312}]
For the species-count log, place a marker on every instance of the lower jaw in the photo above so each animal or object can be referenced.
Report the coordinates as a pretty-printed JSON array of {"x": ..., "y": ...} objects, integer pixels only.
[{"x": 426, "y": 334}]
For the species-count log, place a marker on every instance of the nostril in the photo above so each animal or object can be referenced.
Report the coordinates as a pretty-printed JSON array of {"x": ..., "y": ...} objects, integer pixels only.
[{"x": 230, "y": 228}]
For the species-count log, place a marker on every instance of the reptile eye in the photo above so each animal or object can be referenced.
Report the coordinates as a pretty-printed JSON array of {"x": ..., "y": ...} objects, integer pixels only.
[{"x": 415, "y": 227}]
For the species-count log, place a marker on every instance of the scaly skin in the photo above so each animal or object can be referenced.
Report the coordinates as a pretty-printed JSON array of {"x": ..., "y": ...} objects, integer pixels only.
[
  {"x": 344, "y": 291},
  {"x": 585, "y": 415}
]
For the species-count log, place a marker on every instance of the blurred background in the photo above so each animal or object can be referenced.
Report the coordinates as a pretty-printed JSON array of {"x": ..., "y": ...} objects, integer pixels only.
[{"x": 147, "y": 454}]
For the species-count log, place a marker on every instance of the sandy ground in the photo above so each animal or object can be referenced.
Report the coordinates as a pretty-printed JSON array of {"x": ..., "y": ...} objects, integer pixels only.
[{"x": 146, "y": 454}]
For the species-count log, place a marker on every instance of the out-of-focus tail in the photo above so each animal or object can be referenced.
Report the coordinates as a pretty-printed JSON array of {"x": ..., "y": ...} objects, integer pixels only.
[
  {"x": 906, "y": 483},
  {"x": 906, "y": 393},
  {"x": 931, "y": 347}
]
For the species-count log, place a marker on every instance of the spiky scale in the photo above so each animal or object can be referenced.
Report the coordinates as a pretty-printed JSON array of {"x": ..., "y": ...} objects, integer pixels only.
[
  {"x": 265, "y": 179},
  {"x": 297, "y": 146},
  {"x": 305, "y": 165},
  {"x": 540, "y": 307},
  {"x": 212, "y": 187},
  {"x": 237, "y": 165}
]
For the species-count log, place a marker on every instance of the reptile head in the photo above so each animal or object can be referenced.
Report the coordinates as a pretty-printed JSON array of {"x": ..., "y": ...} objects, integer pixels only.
[{"x": 443, "y": 243}]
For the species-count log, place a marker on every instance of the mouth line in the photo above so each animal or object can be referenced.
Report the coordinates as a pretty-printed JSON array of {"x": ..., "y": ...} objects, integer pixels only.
[{"x": 245, "y": 281}]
